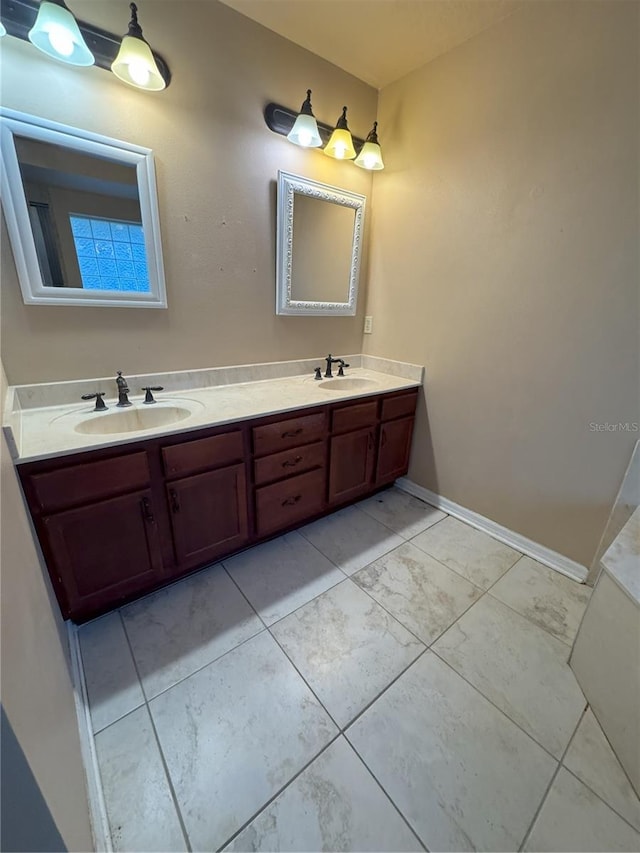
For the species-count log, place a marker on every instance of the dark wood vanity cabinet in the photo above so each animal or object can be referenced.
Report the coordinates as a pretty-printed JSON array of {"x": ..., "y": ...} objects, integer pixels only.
[
  {"x": 118, "y": 522},
  {"x": 207, "y": 508}
]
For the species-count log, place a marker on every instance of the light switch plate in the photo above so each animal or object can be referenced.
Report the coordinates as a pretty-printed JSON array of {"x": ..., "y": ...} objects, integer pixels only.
[{"x": 368, "y": 325}]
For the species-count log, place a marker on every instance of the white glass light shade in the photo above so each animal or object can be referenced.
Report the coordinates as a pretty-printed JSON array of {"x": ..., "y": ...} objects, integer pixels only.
[
  {"x": 3, "y": 30},
  {"x": 136, "y": 66},
  {"x": 370, "y": 157},
  {"x": 305, "y": 132},
  {"x": 340, "y": 145},
  {"x": 56, "y": 33}
]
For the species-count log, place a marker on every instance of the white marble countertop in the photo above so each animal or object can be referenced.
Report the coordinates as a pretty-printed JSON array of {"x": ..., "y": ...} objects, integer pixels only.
[{"x": 44, "y": 421}]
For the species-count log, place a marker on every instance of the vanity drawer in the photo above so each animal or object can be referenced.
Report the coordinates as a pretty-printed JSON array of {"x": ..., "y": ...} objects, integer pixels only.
[
  {"x": 282, "y": 504},
  {"x": 354, "y": 417},
  {"x": 283, "y": 435},
  {"x": 203, "y": 453},
  {"x": 90, "y": 481},
  {"x": 289, "y": 462},
  {"x": 398, "y": 407}
]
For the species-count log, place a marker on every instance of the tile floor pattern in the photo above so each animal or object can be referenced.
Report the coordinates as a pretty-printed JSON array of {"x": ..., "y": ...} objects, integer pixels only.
[{"x": 387, "y": 678}]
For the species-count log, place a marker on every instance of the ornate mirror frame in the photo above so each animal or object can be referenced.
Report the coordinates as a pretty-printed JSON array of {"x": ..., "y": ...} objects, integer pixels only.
[{"x": 288, "y": 185}]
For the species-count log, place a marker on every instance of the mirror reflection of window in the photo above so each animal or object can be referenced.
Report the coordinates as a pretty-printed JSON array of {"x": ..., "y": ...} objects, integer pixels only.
[
  {"x": 85, "y": 217},
  {"x": 110, "y": 254},
  {"x": 322, "y": 250}
]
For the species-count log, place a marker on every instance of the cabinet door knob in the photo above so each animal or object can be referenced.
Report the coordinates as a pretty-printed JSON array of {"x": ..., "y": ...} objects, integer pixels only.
[
  {"x": 175, "y": 503},
  {"x": 292, "y": 433},
  {"x": 291, "y": 501},
  {"x": 291, "y": 463},
  {"x": 147, "y": 511}
]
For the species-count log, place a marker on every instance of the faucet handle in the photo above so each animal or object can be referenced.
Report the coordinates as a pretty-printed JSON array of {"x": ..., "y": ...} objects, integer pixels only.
[
  {"x": 343, "y": 364},
  {"x": 318, "y": 371},
  {"x": 148, "y": 397},
  {"x": 100, "y": 404}
]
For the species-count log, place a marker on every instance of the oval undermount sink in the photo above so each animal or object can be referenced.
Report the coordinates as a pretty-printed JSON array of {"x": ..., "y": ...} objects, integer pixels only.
[
  {"x": 132, "y": 420},
  {"x": 346, "y": 383}
]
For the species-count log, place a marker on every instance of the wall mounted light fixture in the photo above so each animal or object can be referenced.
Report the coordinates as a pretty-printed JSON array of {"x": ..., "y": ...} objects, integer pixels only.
[
  {"x": 134, "y": 63},
  {"x": 56, "y": 33},
  {"x": 370, "y": 157},
  {"x": 305, "y": 129},
  {"x": 20, "y": 17},
  {"x": 340, "y": 145},
  {"x": 282, "y": 120}
]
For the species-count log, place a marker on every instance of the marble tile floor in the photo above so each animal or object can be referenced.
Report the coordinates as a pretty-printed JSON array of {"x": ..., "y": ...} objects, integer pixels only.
[{"x": 387, "y": 678}]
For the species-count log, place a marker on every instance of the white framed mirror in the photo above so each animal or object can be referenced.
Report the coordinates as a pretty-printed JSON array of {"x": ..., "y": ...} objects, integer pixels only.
[
  {"x": 319, "y": 243},
  {"x": 82, "y": 215}
]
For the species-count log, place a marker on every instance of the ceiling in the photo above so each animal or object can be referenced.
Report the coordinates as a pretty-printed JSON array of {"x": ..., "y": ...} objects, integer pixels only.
[{"x": 378, "y": 41}]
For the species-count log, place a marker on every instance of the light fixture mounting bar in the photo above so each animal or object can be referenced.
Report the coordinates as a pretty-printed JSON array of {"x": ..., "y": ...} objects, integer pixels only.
[
  {"x": 19, "y": 16},
  {"x": 280, "y": 120}
]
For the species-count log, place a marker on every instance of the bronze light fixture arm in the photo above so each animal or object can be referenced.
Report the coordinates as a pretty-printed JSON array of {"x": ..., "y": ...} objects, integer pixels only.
[
  {"x": 19, "y": 16},
  {"x": 281, "y": 119}
]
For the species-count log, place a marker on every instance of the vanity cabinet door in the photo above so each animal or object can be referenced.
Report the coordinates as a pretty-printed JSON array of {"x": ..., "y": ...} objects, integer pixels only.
[
  {"x": 208, "y": 515},
  {"x": 351, "y": 465},
  {"x": 104, "y": 552},
  {"x": 394, "y": 447}
]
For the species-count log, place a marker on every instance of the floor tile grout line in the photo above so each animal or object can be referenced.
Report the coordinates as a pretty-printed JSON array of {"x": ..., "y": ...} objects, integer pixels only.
[
  {"x": 355, "y": 571},
  {"x": 493, "y": 584},
  {"x": 281, "y": 790},
  {"x": 406, "y": 538},
  {"x": 321, "y": 703},
  {"x": 554, "y": 775},
  {"x": 456, "y": 572},
  {"x": 501, "y": 710},
  {"x": 165, "y": 766},
  {"x": 413, "y": 831},
  {"x": 384, "y": 690},
  {"x": 601, "y": 798},
  {"x": 241, "y": 591},
  {"x": 593, "y": 791},
  {"x": 204, "y": 666},
  {"x": 531, "y": 622},
  {"x": 609, "y": 744}
]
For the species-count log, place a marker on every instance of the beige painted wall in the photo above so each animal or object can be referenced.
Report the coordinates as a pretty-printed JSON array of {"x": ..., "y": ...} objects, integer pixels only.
[
  {"x": 504, "y": 258},
  {"x": 36, "y": 684},
  {"x": 216, "y": 165}
]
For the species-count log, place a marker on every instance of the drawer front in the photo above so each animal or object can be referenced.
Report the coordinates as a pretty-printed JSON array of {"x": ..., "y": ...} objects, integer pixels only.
[
  {"x": 203, "y": 453},
  {"x": 289, "y": 462},
  {"x": 283, "y": 435},
  {"x": 90, "y": 481},
  {"x": 398, "y": 407},
  {"x": 354, "y": 417},
  {"x": 282, "y": 504}
]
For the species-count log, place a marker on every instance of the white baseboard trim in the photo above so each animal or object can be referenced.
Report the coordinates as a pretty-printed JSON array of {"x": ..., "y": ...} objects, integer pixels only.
[
  {"x": 553, "y": 559},
  {"x": 97, "y": 809}
]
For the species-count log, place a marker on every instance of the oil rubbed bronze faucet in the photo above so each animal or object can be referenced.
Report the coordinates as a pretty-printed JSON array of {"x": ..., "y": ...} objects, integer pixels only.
[
  {"x": 123, "y": 390},
  {"x": 330, "y": 360}
]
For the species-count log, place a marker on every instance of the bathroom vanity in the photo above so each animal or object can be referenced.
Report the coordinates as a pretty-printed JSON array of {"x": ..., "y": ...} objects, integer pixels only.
[{"x": 120, "y": 520}]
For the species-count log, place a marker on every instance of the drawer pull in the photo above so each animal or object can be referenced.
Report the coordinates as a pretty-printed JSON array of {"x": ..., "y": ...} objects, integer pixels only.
[
  {"x": 147, "y": 511},
  {"x": 291, "y": 501},
  {"x": 175, "y": 503},
  {"x": 291, "y": 463},
  {"x": 292, "y": 433}
]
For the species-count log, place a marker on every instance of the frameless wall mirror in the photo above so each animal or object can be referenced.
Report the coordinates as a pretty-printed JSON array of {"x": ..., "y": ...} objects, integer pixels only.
[
  {"x": 82, "y": 215},
  {"x": 319, "y": 241}
]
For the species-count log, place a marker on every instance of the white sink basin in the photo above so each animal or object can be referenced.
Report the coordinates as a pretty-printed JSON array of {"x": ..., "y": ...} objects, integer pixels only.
[
  {"x": 347, "y": 383},
  {"x": 132, "y": 420}
]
